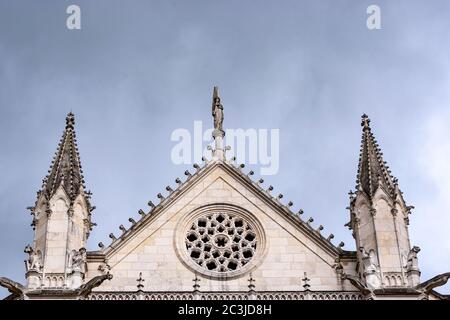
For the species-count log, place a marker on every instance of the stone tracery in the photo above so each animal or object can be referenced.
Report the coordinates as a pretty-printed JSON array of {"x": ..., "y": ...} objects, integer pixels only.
[{"x": 221, "y": 241}]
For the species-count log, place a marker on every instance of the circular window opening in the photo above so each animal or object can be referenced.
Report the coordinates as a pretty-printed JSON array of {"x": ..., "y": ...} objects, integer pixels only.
[{"x": 220, "y": 242}]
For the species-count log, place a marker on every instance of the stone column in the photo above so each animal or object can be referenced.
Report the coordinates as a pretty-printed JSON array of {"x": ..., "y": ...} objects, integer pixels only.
[
  {"x": 413, "y": 277},
  {"x": 33, "y": 279},
  {"x": 218, "y": 152}
]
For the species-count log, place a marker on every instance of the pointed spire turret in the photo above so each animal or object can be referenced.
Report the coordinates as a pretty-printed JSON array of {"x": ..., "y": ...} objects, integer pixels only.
[
  {"x": 63, "y": 198},
  {"x": 372, "y": 170},
  {"x": 379, "y": 218},
  {"x": 65, "y": 170}
]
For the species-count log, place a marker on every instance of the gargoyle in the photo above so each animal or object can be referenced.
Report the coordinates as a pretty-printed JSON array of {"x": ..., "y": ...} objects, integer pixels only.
[
  {"x": 434, "y": 282},
  {"x": 357, "y": 283},
  {"x": 86, "y": 288},
  {"x": 14, "y": 287}
]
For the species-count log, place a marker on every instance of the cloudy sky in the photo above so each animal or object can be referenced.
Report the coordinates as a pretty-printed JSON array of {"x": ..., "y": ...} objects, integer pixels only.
[{"x": 137, "y": 71}]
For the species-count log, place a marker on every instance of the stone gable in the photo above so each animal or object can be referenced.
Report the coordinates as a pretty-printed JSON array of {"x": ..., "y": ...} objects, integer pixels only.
[{"x": 152, "y": 250}]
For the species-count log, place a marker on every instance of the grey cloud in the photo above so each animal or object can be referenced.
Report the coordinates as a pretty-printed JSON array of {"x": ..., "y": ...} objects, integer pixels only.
[{"x": 137, "y": 71}]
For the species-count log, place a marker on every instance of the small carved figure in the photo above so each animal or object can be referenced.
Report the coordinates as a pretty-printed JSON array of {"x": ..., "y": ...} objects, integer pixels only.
[
  {"x": 338, "y": 266},
  {"x": 371, "y": 269},
  {"x": 34, "y": 259},
  {"x": 404, "y": 260},
  {"x": 77, "y": 260},
  {"x": 413, "y": 263},
  {"x": 104, "y": 267},
  {"x": 369, "y": 260},
  {"x": 217, "y": 111}
]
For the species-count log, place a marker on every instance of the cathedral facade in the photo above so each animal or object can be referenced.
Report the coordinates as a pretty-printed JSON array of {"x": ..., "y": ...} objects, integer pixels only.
[{"x": 219, "y": 234}]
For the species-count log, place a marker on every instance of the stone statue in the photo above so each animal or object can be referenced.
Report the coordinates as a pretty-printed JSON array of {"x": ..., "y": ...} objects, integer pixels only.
[
  {"x": 104, "y": 267},
  {"x": 338, "y": 266},
  {"x": 34, "y": 259},
  {"x": 371, "y": 269},
  {"x": 369, "y": 260},
  {"x": 412, "y": 261},
  {"x": 217, "y": 111},
  {"x": 77, "y": 260}
]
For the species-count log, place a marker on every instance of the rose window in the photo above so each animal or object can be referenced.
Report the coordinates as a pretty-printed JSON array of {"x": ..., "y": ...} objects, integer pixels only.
[{"x": 221, "y": 242}]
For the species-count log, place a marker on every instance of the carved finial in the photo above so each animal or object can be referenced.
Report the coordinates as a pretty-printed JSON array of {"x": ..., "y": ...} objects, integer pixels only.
[
  {"x": 300, "y": 212},
  {"x": 101, "y": 245},
  {"x": 351, "y": 194},
  {"x": 196, "y": 285},
  {"x": 133, "y": 222},
  {"x": 310, "y": 220},
  {"x": 141, "y": 213},
  {"x": 178, "y": 181},
  {"x": 365, "y": 122},
  {"x": 331, "y": 236},
  {"x": 306, "y": 280},
  {"x": 251, "y": 283},
  {"x": 70, "y": 120},
  {"x": 112, "y": 236},
  {"x": 270, "y": 188},
  {"x": 320, "y": 228},
  {"x": 261, "y": 181},
  {"x": 34, "y": 223},
  {"x": 160, "y": 196},
  {"x": 290, "y": 204},
  {"x": 196, "y": 167},
  {"x": 122, "y": 228},
  {"x": 28, "y": 249},
  {"x": 187, "y": 173},
  {"x": 341, "y": 245},
  {"x": 395, "y": 181},
  {"x": 169, "y": 189},
  {"x": 140, "y": 282},
  {"x": 151, "y": 205}
]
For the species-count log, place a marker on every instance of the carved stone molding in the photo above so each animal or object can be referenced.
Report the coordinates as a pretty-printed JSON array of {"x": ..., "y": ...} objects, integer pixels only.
[{"x": 263, "y": 295}]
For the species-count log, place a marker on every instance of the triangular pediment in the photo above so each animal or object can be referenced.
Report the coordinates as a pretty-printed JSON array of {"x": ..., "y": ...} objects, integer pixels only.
[{"x": 273, "y": 242}]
